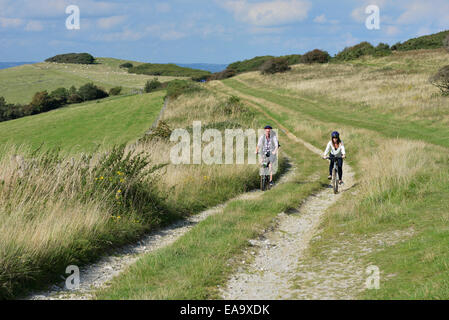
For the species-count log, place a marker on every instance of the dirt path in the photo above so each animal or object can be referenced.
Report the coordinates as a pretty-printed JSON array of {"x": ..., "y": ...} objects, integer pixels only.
[
  {"x": 97, "y": 275},
  {"x": 275, "y": 267}
]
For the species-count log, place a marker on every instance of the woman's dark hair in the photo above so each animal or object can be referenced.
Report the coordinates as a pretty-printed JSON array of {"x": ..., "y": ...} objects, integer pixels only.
[{"x": 338, "y": 140}]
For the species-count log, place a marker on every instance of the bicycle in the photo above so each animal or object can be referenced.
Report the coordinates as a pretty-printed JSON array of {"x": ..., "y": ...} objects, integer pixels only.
[
  {"x": 334, "y": 181},
  {"x": 265, "y": 172}
]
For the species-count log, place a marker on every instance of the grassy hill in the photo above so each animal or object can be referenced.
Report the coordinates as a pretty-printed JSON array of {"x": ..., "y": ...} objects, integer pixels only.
[
  {"x": 81, "y": 127},
  {"x": 19, "y": 84}
]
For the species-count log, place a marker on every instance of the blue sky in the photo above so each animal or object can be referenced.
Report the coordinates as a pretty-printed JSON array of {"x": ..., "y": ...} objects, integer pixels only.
[{"x": 208, "y": 31}]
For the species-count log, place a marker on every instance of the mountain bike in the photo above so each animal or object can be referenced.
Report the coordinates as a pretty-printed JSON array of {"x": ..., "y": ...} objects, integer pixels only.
[
  {"x": 334, "y": 181},
  {"x": 265, "y": 172}
]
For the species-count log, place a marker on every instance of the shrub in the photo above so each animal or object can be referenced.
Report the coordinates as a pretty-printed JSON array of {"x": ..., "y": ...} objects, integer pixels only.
[
  {"x": 74, "y": 98},
  {"x": 446, "y": 43},
  {"x": 126, "y": 65},
  {"x": 293, "y": 59},
  {"x": 433, "y": 41},
  {"x": 172, "y": 70},
  {"x": 253, "y": 64},
  {"x": 175, "y": 88},
  {"x": 152, "y": 85},
  {"x": 225, "y": 74},
  {"x": 115, "y": 91},
  {"x": 60, "y": 95},
  {"x": 42, "y": 102},
  {"x": 315, "y": 56},
  {"x": 162, "y": 131},
  {"x": 441, "y": 80},
  {"x": 275, "y": 65},
  {"x": 89, "y": 91},
  {"x": 78, "y": 58},
  {"x": 362, "y": 49}
]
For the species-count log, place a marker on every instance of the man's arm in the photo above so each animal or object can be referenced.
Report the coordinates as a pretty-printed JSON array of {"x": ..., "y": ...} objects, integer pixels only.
[{"x": 276, "y": 144}]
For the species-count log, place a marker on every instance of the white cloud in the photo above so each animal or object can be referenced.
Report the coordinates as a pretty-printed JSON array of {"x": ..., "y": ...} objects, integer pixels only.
[
  {"x": 320, "y": 19},
  {"x": 10, "y": 22},
  {"x": 54, "y": 8},
  {"x": 268, "y": 13},
  {"x": 110, "y": 22},
  {"x": 34, "y": 26},
  {"x": 434, "y": 12},
  {"x": 359, "y": 15}
]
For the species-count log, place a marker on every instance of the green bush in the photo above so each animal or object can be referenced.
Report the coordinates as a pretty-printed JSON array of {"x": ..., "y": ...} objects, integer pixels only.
[
  {"x": 60, "y": 95},
  {"x": 115, "y": 91},
  {"x": 78, "y": 58},
  {"x": 126, "y": 65},
  {"x": 315, "y": 56},
  {"x": 446, "y": 43},
  {"x": 89, "y": 91},
  {"x": 152, "y": 85},
  {"x": 275, "y": 65},
  {"x": 253, "y": 64},
  {"x": 225, "y": 74},
  {"x": 175, "y": 88},
  {"x": 170, "y": 70},
  {"x": 441, "y": 80},
  {"x": 363, "y": 49},
  {"x": 293, "y": 59},
  {"x": 433, "y": 41}
]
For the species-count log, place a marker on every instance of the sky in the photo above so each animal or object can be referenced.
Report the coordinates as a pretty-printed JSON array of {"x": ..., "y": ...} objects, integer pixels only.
[{"x": 207, "y": 31}]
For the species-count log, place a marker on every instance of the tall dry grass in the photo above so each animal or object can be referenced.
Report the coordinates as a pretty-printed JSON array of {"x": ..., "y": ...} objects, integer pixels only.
[
  {"x": 396, "y": 84},
  {"x": 56, "y": 211}
]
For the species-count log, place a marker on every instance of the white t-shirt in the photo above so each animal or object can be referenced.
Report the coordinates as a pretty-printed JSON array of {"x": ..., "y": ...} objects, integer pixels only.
[{"x": 339, "y": 152}]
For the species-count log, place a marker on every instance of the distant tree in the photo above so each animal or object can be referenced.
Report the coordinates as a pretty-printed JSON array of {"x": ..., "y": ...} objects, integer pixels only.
[
  {"x": 126, "y": 65},
  {"x": 441, "y": 80},
  {"x": 315, "y": 56},
  {"x": 275, "y": 65},
  {"x": 42, "y": 102},
  {"x": 60, "y": 95},
  {"x": 78, "y": 58},
  {"x": 152, "y": 85},
  {"x": 89, "y": 91},
  {"x": 115, "y": 91},
  {"x": 225, "y": 74},
  {"x": 72, "y": 90},
  {"x": 74, "y": 98}
]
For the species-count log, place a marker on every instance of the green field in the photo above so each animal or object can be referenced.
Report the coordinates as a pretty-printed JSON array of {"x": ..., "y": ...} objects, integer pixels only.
[
  {"x": 18, "y": 85},
  {"x": 84, "y": 126}
]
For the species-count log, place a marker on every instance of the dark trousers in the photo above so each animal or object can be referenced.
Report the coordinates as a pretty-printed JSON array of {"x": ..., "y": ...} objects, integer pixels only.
[{"x": 332, "y": 158}]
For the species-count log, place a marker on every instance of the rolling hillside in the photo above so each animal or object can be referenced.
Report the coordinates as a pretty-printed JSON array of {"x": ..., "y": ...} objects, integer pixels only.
[
  {"x": 18, "y": 84},
  {"x": 82, "y": 127}
]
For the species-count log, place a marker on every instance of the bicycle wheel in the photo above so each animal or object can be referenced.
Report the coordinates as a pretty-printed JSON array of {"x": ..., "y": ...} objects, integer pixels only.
[
  {"x": 262, "y": 183},
  {"x": 335, "y": 180}
]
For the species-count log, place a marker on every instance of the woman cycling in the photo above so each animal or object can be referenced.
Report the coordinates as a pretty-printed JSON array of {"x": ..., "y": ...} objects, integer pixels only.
[{"x": 337, "y": 153}]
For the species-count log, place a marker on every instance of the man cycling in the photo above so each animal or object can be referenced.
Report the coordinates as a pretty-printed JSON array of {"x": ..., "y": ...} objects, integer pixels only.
[
  {"x": 337, "y": 153},
  {"x": 268, "y": 144}
]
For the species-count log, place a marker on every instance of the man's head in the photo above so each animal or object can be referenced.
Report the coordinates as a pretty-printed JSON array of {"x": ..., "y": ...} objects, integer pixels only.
[{"x": 268, "y": 130}]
